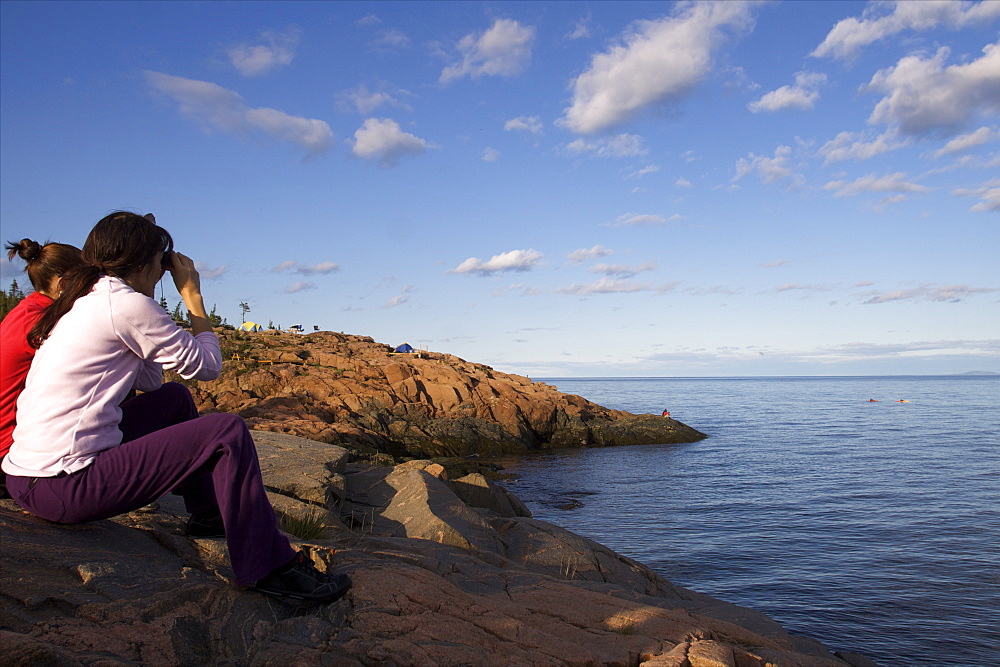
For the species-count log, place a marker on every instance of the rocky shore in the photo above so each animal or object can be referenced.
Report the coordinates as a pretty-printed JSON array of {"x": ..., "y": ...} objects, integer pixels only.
[
  {"x": 449, "y": 568},
  {"x": 351, "y": 391},
  {"x": 446, "y": 572}
]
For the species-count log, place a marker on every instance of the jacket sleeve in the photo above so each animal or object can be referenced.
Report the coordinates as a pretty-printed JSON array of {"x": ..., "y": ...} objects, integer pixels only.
[{"x": 148, "y": 331}]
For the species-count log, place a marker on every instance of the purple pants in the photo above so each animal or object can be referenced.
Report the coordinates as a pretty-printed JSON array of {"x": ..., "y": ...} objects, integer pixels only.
[{"x": 210, "y": 461}]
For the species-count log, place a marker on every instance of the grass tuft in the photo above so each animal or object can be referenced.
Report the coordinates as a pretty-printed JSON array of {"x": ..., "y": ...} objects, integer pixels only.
[{"x": 309, "y": 526}]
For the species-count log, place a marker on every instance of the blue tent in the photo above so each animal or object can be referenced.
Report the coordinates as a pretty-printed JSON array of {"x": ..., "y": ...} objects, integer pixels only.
[{"x": 404, "y": 349}]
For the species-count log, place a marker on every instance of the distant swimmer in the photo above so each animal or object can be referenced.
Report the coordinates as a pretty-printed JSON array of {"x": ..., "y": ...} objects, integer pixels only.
[
  {"x": 872, "y": 400},
  {"x": 902, "y": 401}
]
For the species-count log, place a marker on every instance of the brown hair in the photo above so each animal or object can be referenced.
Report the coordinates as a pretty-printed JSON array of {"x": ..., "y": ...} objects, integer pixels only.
[
  {"x": 118, "y": 245},
  {"x": 44, "y": 262}
]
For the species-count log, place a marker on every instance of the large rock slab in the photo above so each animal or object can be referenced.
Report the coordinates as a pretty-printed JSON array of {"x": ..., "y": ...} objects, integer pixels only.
[{"x": 476, "y": 588}]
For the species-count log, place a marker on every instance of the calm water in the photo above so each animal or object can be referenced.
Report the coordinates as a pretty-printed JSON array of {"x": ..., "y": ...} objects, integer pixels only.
[{"x": 873, "y": 527}]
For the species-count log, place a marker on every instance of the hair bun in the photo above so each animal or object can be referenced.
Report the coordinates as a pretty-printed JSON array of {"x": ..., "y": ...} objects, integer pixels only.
[
  {"x": 29, "y": 250},
  {"x": 26, "y": 249}
]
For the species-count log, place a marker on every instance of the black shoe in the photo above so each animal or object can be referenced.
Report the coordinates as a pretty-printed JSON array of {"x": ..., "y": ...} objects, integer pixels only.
[
  {"x": 205, "y": 524},
  {"x": 300, "y": 580}
]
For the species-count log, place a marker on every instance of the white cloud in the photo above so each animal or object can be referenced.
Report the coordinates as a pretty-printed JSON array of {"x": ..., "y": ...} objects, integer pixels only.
[
  {"x": 368, "y": 19},
  {"x": 622, "y": 270},
  {"x": 853, "y": 146},
  {"x": 949, "y": 293},
  {"x": 223, "y": 109},
  {"x": 586, "y": 254},
  {"x": 926, "y": 97},
  {"x": 683, "y": 183},
  {"x": 391, "y": 39},
  {"x": 382, "y": 141},
  {"x": 654, "y": 62},
  {"x": 873, "y": 183},
  {"x": 300, "y": 286},
  {"x": 399, "y": 299},
  {"x": 802, "y": 95},
  {"x": 639, "y": 220},
  {"x": 605, "y": 285},
  {"x": 639, "y": 173},
  {"x": 850, "y": 35},
  {"x": 277, "y": 49},
  {"x": 514, "y": 260},
  {"x": 490, "y": 154},
  {"x": 964, "y": 142},
  {"x": 988, "y": 192},
  {"x": 775, "y": 264},
  {"x": 580, "y": 30},
  {"x": 531, "y": 124},
  {"x": 771, "y": 169},
  {"x": 321, "y": 268},
  {"x": 503, "y": 50},
  {"x": 366, "y": 101},
  {"x": 209, "y": 273},
  {"x": 621, "y": 145}
]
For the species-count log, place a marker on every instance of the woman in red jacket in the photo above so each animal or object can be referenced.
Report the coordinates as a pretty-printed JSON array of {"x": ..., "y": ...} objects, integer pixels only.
[{"x": 45, "y": 266}]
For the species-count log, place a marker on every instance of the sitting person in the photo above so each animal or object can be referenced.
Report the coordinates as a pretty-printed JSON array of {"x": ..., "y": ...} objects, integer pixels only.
[
  {"x": 45, "y": 265},
  {"x": 80, "y": 453}
]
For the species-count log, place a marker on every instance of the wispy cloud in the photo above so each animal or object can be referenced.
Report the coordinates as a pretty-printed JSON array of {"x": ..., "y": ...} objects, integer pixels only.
[
  {"x": 640, "y": 220},
  {"x": 872, "y": 183},
  {"x": 209, "y": 273},
  {"x": 399, "y": 299},
  {"x": 770, "y": 169},
  {"x": 503, "y": 50},
  {"x": 364, "y": 101},
  {"x": 802, "y": 95},
  {"x": 391, "y": 39},
  {"x": 964, "y": 142},
  {"x": 514, "y": 260},
  {"x": 292, "y": 266},
  {"x": 383, "y": 142},
  {"x": 218, "y": 108},
  {"x": 490, "y": 154},
  {"x": 605, "y": 285},
  {"x": 622, "y": 145},
  {"x": 947, "y": 293},
  {"x": 300, "y": 286},
  {"x": 856, "y": 146},
  {"x": 884, "y": 19},
  {"x": 653, "y": 62},
  {"x": 926, "y": 97},
  {"x": 586, "y": 254},
  {"x": 270, "y": 51},
  {"x": 622, "y": 270},
  {"x": 775, "y": 264},
  {"x": 580, "y": 29},
  {"x": 532, "y": 124},
  {"x": 988, "y": 193}
]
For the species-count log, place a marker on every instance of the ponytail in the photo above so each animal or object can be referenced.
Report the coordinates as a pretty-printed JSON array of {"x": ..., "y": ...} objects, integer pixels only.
[{"x": 118, "y": 245}]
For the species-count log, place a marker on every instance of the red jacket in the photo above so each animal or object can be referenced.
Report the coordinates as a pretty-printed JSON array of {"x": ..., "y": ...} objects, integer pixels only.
[{"x": 15, "y": 360}]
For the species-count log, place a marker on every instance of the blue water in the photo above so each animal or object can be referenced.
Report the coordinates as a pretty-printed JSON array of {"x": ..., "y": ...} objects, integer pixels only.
[{"x": 873, "y": 527}]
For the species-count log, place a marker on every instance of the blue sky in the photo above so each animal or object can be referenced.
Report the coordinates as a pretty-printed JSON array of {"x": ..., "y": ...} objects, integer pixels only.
[{"x": 550, "y": 188}]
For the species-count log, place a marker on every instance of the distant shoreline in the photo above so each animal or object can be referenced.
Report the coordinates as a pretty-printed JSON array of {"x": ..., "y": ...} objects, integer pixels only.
[{"x": 967, "y": 374}]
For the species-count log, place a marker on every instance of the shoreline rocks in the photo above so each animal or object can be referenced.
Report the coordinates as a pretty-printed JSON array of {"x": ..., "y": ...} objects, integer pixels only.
[
  {"x": 351, "y": 391},
  {"x": 446, "y": 572}
]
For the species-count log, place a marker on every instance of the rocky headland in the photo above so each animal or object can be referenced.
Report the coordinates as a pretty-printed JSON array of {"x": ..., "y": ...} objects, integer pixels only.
[
  {"x": 449, "y": 568},
  {"x": 351, "y": 391}
]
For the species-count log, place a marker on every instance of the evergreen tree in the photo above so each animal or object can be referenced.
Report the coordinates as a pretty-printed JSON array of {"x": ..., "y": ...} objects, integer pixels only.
[{"x": 10, "y": 298}]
